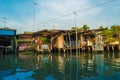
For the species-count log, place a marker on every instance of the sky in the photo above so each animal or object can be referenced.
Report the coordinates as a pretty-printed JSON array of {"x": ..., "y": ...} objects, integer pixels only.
[{"x": 35, "y": 15}]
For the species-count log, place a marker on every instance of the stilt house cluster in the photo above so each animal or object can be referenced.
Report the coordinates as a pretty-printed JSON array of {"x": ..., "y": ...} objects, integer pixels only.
[{"x": 54, "y": 40}]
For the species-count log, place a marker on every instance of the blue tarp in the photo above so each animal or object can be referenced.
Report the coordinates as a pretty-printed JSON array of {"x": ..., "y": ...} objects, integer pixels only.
[{"x": 7, "y": 32}]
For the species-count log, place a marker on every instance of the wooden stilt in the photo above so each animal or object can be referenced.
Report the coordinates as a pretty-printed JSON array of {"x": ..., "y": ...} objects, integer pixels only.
[
  {"x": 66, "y": 41},
  {"x": 51, "y": 40},
  {"x": 113, "y": 48},
  {"x": 83, "y": 49},
  {"x": 119, "y": 47},
  {"x": 108, "y": 48},
  {"x": 59, "y": 50},
  {"x": 93, "y": 48},
  {"x": 81, "y": 40},
  {"x": 88, "y": 48},
  {"x": 70, "y": 43},
  {"x": 79, "y": 50},
  {"x": 64, "y": 50}
]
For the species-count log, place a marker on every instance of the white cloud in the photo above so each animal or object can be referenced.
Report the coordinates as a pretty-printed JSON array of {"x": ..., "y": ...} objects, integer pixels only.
[
  {"x": 50, "y": 9},
  {"x": 55, "y": 8}
]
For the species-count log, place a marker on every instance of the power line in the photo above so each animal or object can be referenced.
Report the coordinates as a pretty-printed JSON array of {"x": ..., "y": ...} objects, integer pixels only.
[
  {"x": 79, "y": 11},
  {"x": 95, "y": 6},
  {"x": 34, "y": 4}
]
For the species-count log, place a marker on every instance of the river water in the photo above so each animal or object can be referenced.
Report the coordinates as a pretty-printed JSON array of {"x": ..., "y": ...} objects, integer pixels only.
[{"x": 84, "y": 66}]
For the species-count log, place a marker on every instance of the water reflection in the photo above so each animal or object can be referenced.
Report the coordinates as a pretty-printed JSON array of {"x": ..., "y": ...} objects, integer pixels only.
[{"x": 85, "y": 66}]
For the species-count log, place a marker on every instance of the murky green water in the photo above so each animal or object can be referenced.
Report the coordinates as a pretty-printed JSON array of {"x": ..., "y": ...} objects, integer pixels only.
[{"x": 85, "y": 66}]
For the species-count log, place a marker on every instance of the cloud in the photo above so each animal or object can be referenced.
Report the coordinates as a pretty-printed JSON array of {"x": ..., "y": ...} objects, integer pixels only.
[
  {"x": 55, "y": 8},
  {"x": 46, "y": 10},
  {"x": 101, "y": 15}
]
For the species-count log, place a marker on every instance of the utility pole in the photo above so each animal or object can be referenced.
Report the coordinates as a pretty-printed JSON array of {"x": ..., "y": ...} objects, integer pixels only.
[
  {"x": 76, "y": 31},
  {"x": 34, "y": 4}
]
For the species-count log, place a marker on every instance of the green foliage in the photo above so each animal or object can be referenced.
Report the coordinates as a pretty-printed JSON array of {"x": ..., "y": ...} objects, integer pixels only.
[
  {"x": 101, "y": 27},
  {"x": 85, "y": 27},
  {"x": 26, "y": 53},
  {"x": 109, "y": 34},
  {"x": 45, "y": 40},
  {"x": 23, "y": 40},
  {"x": 27, "y": 32},
  {"x": 115, "y": 29},
  {"x": 74, "y": 28}
]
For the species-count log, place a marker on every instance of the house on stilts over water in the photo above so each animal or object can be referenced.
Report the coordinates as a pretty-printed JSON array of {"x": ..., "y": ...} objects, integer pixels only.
[
  {"x": 7, "y": 40},
  {"x": 65, "y": 40}
]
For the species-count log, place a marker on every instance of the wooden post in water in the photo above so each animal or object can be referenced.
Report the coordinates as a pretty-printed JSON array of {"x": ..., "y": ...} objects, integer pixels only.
[
  {"x": 66, "y": 41},
  {"x": 81, "y": 40},
  {"x": 88, "y": 48},
  {"x": 93, "y": 48},
  {"x": 51, "y": 44},
  {"x": 108, "y": 47},
  {"x": 119, "y": 47},
  {"x": 112, "y": 47},
  {"x": 70, "y": 43},
  {"x": 84, "y": 49}
]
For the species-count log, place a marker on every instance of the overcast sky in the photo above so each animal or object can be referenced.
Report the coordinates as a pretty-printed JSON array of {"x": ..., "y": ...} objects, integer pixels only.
[{"x": 48, "y": 14}]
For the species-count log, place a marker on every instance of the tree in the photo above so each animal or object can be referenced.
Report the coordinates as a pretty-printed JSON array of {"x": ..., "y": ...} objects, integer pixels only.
[
  {"x": 85, "y": 27},
  {"x": 108, "y": 34},
  {"x": 74, "y": 28},
  {"x": 45, "y": 40},
  {"x": 115, "y": 30},
  {"x": 101, "y": 27}
]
